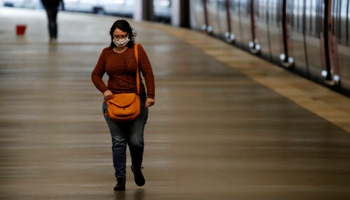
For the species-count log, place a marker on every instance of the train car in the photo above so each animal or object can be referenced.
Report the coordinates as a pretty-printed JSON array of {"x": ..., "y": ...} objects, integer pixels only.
[
  {"x": 32, "y": 4},
  {"x": 101, "y": 7},
  {"x": 162, "y": 8},
  {"x": 310, "y": 37},
  {"x": 88, "y": 6}
]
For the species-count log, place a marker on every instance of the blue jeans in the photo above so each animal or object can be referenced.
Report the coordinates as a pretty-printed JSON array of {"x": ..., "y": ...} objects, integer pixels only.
[{"x": 127, "y": 133}]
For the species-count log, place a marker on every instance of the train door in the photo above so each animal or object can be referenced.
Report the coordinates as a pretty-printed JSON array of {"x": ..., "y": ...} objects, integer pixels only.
[
  {"x": 329, "y": 46},
  {"x": 341, "y": 23},
  {"x": 254, "y": 45},
  {"x": 275, "y": 29},
  {"x": 199, "y": 15},
  {"x": 223, "y": 18},
  {"x": 235, "y": 22},
  {"x": 212, "y": 16},
  {"x": 314, "y": 16},
  {"x": 295, "y": 16},
  {"x": 261, "y": 29},
  {"x": 321, "y": 41},
  {"x": 286, "y": 57},
  {"x": 245, "y": 22}
]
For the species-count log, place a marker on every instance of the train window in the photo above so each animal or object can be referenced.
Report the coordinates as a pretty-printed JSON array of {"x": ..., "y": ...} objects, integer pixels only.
[
  {"x": 290, "y": 14},
  {"x": 308, "y": 18},
  {"x": 291, "y": 5},
  {"x": 258, "y": 13},
  {"x": 241, "y": 8},
  {"x": 301, "y": 16},
  {"x": 320, "y": 10},
  {"x": 338, "y": 18},
  {"x": 320, "y": 13},
  {"x": 257, "y": 9},
  {"x": 336, "y": 29},
  {"x": 235, "y": 5},
  {"x": 246, "y": 6},
  {"x": 221, "y": 5},
  {"x": 263, "y": 10},
  {"x": 277, "y": 17},
  {"x": 260, "y": 10},
  {"x": 273, "y": 5},
  {"x": 279, "y": 12},
  {"x": 295, "y": 15},
  {"x": 296, "y": 12},
  {"x": 298, "y": 15},
  {"x": 313, "y": 18},
  {"x": 343, "y": 21},
  {"x": 271, "y": 12}
]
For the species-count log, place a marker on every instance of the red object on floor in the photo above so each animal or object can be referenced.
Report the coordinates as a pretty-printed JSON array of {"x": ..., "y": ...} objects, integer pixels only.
[{"x": 20, "y": 29}]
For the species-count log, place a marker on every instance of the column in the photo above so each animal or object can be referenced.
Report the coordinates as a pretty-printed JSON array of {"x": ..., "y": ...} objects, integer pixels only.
[
  {"x": 143, "y": 10},
  {"x": 180, "y": 13}
]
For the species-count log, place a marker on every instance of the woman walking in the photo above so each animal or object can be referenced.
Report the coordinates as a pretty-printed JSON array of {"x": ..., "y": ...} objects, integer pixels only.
[{"x": 119, "y": 62}]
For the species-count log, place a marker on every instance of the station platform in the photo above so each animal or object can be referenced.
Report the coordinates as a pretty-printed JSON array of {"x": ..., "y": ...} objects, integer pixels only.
[{"x": 226, "y": 125}]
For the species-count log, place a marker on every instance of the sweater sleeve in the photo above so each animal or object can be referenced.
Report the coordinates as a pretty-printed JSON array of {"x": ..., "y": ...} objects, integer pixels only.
[
  {"x": 98, "y": 73},
  {"x": 147, "y": 72}
]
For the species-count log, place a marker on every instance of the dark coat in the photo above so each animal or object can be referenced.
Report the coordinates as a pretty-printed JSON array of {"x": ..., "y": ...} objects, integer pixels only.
[{"x": 51, "y": 3}]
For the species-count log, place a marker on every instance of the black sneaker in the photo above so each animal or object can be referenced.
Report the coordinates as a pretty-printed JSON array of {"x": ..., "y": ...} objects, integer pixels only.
[
  {"x": 120, "y": 184},
  {"x": 138, "y": 176}
]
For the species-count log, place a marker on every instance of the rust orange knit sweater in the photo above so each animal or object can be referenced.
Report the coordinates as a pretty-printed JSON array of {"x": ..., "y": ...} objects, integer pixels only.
[{"x": 121, "y": 69}]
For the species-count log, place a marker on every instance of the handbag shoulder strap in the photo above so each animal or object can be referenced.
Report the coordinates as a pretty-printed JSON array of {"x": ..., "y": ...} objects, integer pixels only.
[{"x": 137, "y": 71}]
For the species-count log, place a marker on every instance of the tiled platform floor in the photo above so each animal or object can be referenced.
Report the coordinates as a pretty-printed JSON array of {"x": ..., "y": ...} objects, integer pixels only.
[{"x": 224, "y": 126}]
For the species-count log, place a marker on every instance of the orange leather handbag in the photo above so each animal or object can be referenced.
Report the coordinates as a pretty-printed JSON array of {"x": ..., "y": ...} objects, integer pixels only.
[{"x": 126, "y": 106}]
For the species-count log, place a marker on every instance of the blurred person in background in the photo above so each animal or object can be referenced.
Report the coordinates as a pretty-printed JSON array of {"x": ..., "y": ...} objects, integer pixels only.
[{"x": 51, "y": 7}]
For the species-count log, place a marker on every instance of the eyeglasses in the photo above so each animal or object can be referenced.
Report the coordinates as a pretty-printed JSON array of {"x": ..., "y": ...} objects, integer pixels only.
[{"x": 120, "y": 36}]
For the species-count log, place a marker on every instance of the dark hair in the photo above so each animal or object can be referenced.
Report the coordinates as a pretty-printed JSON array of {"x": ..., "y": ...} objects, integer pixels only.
[{"x": 124, "y": 26}]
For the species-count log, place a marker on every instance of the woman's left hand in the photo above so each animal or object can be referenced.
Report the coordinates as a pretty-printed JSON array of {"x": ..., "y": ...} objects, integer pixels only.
[{"x": 149, "y": 102}]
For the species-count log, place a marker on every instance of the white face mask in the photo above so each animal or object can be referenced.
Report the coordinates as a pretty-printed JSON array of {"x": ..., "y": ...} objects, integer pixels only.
[{"x": 121, "y": 42}]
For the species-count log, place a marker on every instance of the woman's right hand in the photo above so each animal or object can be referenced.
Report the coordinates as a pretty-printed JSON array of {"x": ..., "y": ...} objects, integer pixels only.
[{"x": 108, "y": 95}]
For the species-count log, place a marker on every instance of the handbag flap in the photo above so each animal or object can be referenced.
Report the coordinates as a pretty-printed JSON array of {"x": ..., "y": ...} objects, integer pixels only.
[{"x": 123, "y": 100}]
